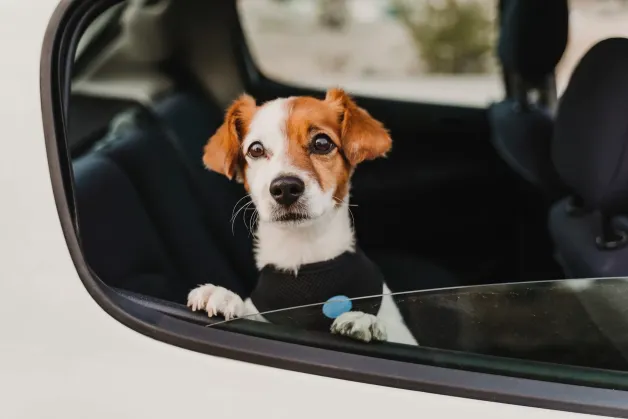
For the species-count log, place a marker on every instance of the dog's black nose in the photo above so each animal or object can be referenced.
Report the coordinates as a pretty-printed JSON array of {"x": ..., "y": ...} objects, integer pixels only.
[{"x": 287, "y": 189}]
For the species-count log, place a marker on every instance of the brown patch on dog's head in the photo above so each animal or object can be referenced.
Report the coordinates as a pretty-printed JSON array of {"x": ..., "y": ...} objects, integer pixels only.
[
  {"x": 223, "y": 153},
  {"x": 356, "y": 135}
]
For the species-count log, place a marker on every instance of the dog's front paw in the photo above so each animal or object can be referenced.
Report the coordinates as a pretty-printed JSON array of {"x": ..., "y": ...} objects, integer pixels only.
[
  {"x": 360, "y": 326},
  {"x": 216, "y": 300}
]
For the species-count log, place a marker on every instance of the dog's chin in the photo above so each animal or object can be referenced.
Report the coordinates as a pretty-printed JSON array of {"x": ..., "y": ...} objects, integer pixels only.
[
  {"x": 291, "y": 218},
  {"x": 296, "y": 215}
]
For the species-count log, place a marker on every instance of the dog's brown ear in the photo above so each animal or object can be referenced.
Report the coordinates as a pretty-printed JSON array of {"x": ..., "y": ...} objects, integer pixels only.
[
  {"x": 222, "y": 153},
  {"x": 362, "y": 136}
]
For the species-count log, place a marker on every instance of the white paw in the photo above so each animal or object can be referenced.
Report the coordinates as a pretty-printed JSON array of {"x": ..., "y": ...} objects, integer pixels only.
[
  {"x": 360, "y": 326},
  {"x": 216, "y": 300}
]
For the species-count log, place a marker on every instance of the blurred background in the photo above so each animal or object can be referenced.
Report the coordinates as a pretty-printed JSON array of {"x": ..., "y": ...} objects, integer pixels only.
[{"x": 438, "y": 51}]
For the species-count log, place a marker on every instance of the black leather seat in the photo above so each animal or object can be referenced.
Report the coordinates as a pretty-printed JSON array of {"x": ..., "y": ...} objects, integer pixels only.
[
  {"x": 164, "y": 213},
  {"x": 189, "y": 121},
  {"x": 118, "y": 237},
  {"x": 590, "y": 153}
]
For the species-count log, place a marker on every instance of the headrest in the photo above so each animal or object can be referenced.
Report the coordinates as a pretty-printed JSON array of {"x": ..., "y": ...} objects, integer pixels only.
[
  {"x": 533, "y": 36},
  {"x": 590, "y": 146},
  {"x": 522, "y": 139}
]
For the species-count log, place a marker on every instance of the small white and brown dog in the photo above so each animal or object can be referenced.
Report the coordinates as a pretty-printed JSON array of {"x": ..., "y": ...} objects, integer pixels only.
[{"x": 295, "y": 157}]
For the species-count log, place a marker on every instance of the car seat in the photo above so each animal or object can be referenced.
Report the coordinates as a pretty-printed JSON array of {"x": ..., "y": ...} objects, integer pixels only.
[
  {"x": 590, "y": 153},
  {"x": 532, "y": 39}
]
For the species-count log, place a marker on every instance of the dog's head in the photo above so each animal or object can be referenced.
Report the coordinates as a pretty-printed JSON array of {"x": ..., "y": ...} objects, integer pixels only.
[{"x": 295, "y": 156}]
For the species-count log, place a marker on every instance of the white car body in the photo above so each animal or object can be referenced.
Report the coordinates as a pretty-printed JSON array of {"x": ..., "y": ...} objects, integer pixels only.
[{"x": 63, "y": 356}]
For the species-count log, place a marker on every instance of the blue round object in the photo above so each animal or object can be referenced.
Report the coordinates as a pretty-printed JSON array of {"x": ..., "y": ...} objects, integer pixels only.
[{"x": 336, "y": 306}]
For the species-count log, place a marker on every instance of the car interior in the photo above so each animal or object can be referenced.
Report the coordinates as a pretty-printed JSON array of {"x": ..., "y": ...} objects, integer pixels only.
[{"x": 518, "y": 191}]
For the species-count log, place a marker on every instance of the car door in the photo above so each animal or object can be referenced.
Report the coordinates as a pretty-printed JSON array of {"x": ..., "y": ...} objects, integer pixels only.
[{"x": 68, "y": 351}]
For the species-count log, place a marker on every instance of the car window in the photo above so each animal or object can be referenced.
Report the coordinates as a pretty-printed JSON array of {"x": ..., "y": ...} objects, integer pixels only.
[
  {"x": 428, "y": 51},
  {"x": 577, "y": 323},
  {"x": 590, "y": 22},
  {"x": 147, "y": 223}
]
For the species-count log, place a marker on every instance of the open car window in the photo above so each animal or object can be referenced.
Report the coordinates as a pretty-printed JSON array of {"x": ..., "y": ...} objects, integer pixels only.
[
  {"x": 579, "y": 323},
  {"x": 130, "y": 110}
]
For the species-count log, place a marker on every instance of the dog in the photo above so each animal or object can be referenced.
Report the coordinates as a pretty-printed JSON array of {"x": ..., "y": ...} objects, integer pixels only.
[{"x": 295, "y": 157}]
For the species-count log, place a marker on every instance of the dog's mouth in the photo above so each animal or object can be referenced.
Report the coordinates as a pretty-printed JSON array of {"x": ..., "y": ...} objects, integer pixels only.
[
  {"x": 290, "y": 217},
  {"x": 292, "y": 214}
]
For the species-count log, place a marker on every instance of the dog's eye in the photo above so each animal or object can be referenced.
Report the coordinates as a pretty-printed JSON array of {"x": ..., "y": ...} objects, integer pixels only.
[
  {"x": 256, "y": 150},
  {"x": 322, "y": 144}
]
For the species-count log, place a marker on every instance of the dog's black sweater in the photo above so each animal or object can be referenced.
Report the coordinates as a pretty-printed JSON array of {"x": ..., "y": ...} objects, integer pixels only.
[{"x": 350, "y": 274}]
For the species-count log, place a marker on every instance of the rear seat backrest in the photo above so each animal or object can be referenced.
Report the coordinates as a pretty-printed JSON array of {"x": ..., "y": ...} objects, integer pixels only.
[
  {"x": 191, "y": 120},
  {"x": 141, "y": 218},
  {"x": 155, "y": 169},
  {"x": 119, "y": 241}
]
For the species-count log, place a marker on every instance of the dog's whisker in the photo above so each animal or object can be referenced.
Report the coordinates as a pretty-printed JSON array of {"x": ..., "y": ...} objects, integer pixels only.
[
  {"x": 249, "y": 226},
  {"x": 233, "y": 219},
  {"x": 348, "y": 205},
  {"x": 256, "y": 213},
  {"x": 340, "y": 201},
  {"x": 240, "y": 200},
  {"x": 245, "y": 205},
  {"x": 236, "y": 214},
  {"x": 244, "y": 215},
  {"x": 252, "y": 221},
  {"x": 352, "y": 217},
  {"x": 244, "y": 220}
]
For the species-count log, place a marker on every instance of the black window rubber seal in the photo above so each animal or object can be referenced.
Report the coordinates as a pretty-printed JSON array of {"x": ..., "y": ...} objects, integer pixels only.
[{"x": 61, "y": 36}]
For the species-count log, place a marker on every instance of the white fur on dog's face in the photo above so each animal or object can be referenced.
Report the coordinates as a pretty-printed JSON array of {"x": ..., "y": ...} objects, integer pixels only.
[{"x": 268, "y": 128}]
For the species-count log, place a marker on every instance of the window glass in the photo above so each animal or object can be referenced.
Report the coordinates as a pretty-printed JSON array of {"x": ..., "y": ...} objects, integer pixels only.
[
  {"x": 427, "y": 50},
  {"x": 590, "y": 21},
  {"x": 574, "y": 323}
]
